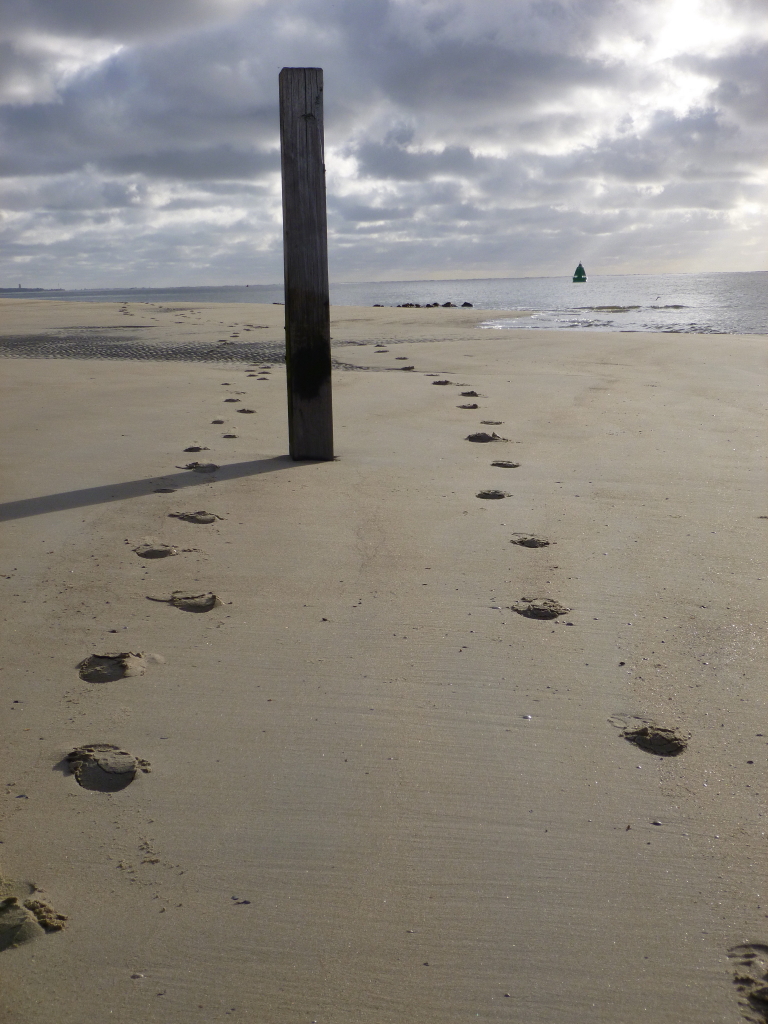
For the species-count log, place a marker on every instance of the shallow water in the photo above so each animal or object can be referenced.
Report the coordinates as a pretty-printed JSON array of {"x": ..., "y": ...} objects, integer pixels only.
[{"x": 673, "y": 303}]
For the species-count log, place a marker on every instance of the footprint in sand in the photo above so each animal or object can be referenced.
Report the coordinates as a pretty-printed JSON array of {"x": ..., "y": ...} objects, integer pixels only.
[
  {"x": 200, "y": 467},
  {"x": 650, "y": 736},
  {"x": 197, "y": 448},
  {"x": 103, "y": 767},
  {"x": 490, "y": 494},
  {"x": 469, "y": 394},
  {"x": 164, "y": 490},
  {"x": 539, "y": 608},
  {"x": 750, "y": 976},
  {"x": 217, "y": 421},
  {"x": 231, "y": 399},
  {"x": 189, "y": 602},
  {"x": 200, "y": 517},
  {"x": 153, "y": 548},
  {"x": 229, "y": 435},
  {"x": 492, "y": 423},
  {"x": 501, "y": 464},
  {"x": 528, "y": 540},
  {"x": 438, "y": 382},
  {"x": 482, "y": 437},
  {"x": 469, "y": 405},
  {"x": 246, "y": 410},
  {"x": 401, "y": 357},
  {"x": 106, "y": 668},
  {"x": 24, "y": 916}
]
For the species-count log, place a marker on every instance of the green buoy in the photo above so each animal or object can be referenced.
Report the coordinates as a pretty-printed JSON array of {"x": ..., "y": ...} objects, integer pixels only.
[{"x": 579, "y": 274}]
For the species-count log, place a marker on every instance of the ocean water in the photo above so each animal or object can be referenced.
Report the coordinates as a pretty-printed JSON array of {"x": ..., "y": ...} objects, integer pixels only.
[{"x": 669, "y": 303}]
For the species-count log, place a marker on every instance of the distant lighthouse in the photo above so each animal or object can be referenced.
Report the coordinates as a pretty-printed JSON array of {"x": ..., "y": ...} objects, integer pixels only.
[{"x": 579, "y": 274}]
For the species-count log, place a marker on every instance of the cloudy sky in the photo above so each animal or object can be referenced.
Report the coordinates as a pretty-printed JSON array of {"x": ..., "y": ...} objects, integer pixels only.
[{"x": 464, "y": 138}]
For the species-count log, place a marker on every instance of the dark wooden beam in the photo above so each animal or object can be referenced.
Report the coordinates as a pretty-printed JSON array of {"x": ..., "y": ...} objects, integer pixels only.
[{"x": 305, "y": 258}]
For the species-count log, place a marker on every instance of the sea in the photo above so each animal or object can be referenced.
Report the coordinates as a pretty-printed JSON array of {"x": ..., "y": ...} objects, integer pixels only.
[{"x": 727, "y": 303}]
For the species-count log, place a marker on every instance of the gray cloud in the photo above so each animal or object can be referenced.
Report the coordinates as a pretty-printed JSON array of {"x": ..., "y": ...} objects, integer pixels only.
[{"x": 140, "y": 141}]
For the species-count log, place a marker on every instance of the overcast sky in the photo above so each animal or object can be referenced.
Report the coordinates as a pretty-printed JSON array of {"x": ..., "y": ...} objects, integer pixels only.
[{"x": 464, "y": 138}]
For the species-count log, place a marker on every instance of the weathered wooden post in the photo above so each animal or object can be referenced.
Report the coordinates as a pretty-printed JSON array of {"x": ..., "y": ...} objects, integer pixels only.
[{"x": 305, "y": 259}]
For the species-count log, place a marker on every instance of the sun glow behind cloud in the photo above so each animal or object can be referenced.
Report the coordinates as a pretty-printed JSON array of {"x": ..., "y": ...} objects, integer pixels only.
[
  {"x": 461, "y": 138},
  {"x": 45, "y": 63}
]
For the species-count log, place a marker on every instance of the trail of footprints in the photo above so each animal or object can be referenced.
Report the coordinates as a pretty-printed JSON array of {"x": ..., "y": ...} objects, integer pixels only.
[
  {"x": 103, "y": 767},
  {"x": 749, "y": 960},
  {"x": 106, "y": 768}
]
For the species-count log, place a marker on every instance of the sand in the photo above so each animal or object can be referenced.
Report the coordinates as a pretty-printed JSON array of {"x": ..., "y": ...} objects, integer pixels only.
[{"x": 365, "y": 789}]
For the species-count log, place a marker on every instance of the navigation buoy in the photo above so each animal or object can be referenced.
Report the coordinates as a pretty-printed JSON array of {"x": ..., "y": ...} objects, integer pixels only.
[{"x": 579, "y": 274}]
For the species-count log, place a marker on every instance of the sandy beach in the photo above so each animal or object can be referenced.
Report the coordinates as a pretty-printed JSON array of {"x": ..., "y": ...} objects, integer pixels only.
[{"x": 376, "y": 792}]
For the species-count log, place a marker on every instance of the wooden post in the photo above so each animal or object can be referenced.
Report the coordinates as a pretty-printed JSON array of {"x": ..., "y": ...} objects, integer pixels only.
[{"x": 305, "y": 259}]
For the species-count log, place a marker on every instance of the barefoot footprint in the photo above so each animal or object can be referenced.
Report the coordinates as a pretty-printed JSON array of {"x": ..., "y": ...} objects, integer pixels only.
[
  {"x": 750, "y": 976},
  {"x": 482, "y": 437},
  {"x": 105, "y": 668},
  {"x": 151, "y": 547},
  {"x": 539, "y": 608},
  {"x": 650, "y": 736},
  {"x": 189, "y": 602},
  {"x": 528, "y": 540},
  {"x": 200, "y": 467},
  {"x": 103, "y": 767},
  {"x": 24, "y": 915},
  {"x": 493, "y": 494},
  {"x": 196, "y": 517}
]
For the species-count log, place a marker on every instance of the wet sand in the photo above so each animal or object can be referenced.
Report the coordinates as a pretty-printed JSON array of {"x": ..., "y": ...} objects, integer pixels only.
[{"x": 376, "y": 792}]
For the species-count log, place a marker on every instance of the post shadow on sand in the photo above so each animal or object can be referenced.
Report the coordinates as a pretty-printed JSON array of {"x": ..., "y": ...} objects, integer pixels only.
[{"x": 65, "y": 500}]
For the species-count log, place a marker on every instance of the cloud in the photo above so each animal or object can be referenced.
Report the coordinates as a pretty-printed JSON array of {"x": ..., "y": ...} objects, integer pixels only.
[{"x": 139, "y": 143}]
